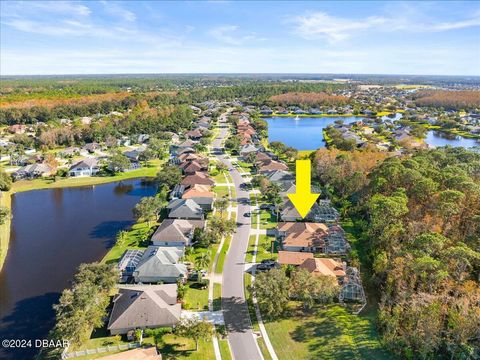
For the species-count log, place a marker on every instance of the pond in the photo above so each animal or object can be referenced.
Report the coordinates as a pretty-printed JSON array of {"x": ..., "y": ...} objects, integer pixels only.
[
  {"x": 440, "y": 138},
  {"x": 53, "y": 232},
  {"x": 304, "y": 133}
]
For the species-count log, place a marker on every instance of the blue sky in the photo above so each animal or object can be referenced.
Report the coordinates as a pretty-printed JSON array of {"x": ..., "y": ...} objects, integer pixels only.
[{"x": 85, "y": 37}]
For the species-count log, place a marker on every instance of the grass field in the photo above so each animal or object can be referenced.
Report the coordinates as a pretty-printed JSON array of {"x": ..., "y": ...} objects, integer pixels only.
[
  {"x": 5, "y": 201},
  {"x": 329, "y": 333}
]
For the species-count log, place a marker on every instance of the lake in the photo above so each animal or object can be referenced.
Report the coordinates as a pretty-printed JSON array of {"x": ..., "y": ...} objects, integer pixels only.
[
  {"x": 439, "y": 138},
  {"x": 53, "y": 231},
  {"x": 306, "y": 133}
]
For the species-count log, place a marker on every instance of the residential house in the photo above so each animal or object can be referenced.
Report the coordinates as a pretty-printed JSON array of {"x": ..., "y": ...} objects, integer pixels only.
[
  {"x": 191, "y": 167},
  {"x": 270, "y": 165},
  {"x": 201, "y": 194},
  {"x": 195, "y": 134},
  {"x": 176, "y": 232},
  {"x": 278, "y": 175},
  {"x": 290, "y": 213},
  {"x": 324, "y": 267},
  {"x": 32, "y": 171},
  {"x": 91, "y": 147},
  {"x": 160, "y": 264},
  {"x": 248, "y": 149},
  {"x": 302, "y": 236},
  {"x": 197, "y": 178},
  {"x": 293, "y": 257},
  {"x": 143, "y": 307},
  {"x": 185, "y": 209},
  {"x": 85, "y": 167},
  {"x": 17, "y": 129}
]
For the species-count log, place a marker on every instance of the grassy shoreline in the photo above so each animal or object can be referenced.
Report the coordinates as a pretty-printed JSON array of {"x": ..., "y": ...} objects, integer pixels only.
[
  {"x": 5, "y": 201},
  {"x": 39, "y": 184}
]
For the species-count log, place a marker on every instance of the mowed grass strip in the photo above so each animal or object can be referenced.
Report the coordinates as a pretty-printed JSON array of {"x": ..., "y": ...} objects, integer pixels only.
[{"x": 223, "y": 253}]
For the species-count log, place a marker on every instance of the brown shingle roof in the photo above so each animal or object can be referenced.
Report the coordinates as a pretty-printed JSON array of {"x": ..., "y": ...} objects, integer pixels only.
[
  {"x": 323, "y": 266},
  {"x": 302, "y": 234},
  {"x": 293, "y": 257}
]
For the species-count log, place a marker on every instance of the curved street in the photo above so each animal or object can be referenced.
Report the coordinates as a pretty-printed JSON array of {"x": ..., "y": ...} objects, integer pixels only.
[{"x": 237, "y": 319}]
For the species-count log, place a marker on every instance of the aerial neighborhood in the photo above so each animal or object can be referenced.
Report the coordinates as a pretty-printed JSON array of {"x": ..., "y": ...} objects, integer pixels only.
[{"x": 216, "y": 258}]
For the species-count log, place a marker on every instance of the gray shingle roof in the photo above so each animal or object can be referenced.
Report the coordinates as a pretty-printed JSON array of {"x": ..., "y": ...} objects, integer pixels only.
[{"x": 145, "y": 306}]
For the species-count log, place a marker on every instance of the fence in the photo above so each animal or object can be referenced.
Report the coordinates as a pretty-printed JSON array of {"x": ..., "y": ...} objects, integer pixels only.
[{"x": 100, "y": 350}]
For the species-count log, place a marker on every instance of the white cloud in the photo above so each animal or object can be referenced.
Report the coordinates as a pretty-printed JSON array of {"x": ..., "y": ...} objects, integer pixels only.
[
  {"x": 320, "y": 24},
  {"x": 334, "y": 29},
  {"x": 231, "y": 35},
  {"x": 118, "y": 11},
  {"x": 18, "y": 9}
]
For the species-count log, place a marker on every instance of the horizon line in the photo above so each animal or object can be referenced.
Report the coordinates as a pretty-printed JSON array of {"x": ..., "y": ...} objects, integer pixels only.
[{"x": 235, "y": 73}]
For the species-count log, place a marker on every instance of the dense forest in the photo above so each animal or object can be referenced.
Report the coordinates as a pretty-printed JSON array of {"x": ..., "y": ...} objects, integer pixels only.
[
  {"x": 420, "y": 220},
  {"x": 301, "y": 98},
  {"x": 456, "y": 100},
  {"x": 41, "y": 106}
]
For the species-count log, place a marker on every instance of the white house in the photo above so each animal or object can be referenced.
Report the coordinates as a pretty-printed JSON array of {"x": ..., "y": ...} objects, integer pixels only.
[{"x": 85, "y": 167}]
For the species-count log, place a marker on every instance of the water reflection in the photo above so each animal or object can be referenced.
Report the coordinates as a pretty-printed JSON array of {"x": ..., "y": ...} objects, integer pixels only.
[{"x": 54, "y": 231}]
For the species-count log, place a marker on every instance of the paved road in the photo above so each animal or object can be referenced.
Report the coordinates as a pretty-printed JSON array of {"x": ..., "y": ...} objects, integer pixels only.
[{"x": 237, "y": 319}]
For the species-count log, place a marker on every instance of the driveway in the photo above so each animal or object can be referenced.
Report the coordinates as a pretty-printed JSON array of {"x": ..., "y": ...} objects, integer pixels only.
[{"x": 235, "y": 310}]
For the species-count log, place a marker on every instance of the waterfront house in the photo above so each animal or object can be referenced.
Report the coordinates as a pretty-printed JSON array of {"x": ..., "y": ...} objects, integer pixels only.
[
  {"x": 85, "y": 167},
  {"x": 143, "y": 307},
  {"x": 185, "y": 209},
  {"x": 32, "y": 171},
  {"x": 176, "y": 232},
  {"x": 160, "y": 264}
]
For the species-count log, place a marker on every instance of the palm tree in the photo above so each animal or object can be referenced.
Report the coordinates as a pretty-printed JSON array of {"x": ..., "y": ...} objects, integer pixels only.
[{"x": 203, "y": 260}]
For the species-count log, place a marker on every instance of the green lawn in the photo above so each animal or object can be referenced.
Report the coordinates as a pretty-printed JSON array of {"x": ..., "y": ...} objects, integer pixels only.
[
  {"x": 218, "y": 177},
  {"x": 44, "y": 183},
  {"x": 224, "y": 349},
  {"x": 221, "y": 191},
  {"x": 264, "y": 249},
  {"x": 267, "y": 220},
  {"x": 5, "y": 201},
  {"x": 182, "y": 348},
  {"x": 329, "y": 333},
  {"x": 223, "y": 253},
  {"x": 250, "y": 249},
  {"x": 217, "y": 296},
  {"x": 138, "y": 237},
  {"x": 195, "y": 298}
]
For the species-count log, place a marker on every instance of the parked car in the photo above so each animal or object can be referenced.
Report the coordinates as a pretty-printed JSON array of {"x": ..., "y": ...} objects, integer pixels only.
[
  {"x": 267, "y": 265},
  {"x": 247, "y": 214}
]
